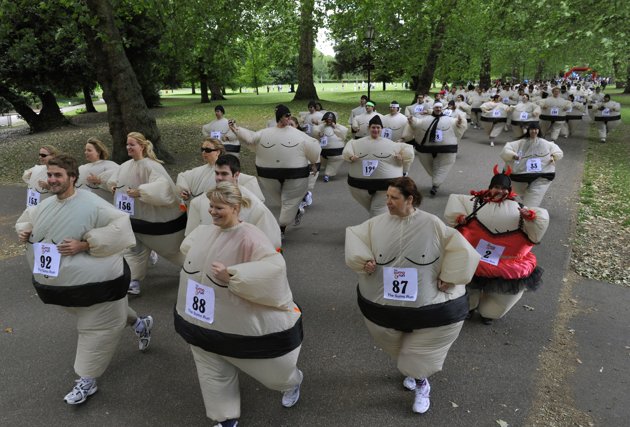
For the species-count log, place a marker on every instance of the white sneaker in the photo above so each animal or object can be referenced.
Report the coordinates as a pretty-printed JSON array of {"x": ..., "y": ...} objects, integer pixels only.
[
  {"x": 491, "y": 143},
  {"x": 142, "y": 328},
  {"x": 291, "y": 397},
  {"x": 84, "y": 388},
  {"x": 421, "y": 403},
  {"x": 409, "y": 383},
  {"x": 308, "y": 198},
  {"x": 228, "y": 423},
  {"x": 153, "y": 257},
  {"x": 134, "y": 287},
  {"x": 298, "y": 216}
]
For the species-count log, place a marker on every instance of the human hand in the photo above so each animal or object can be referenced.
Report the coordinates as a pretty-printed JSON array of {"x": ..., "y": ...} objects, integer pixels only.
[
  {"x": 133, "y": 192},
  {"x": 71, "y": 247},
  {"x": 93, "y": 179},
  {"x": 445, "y": 287},
  {"x": 43, "y": 184},
  {"x": 370, "y": 266},
  {"x": 24, "y": 235},
  {"x": 185, "y": 194},
  {"x": 219, "y": 270}
]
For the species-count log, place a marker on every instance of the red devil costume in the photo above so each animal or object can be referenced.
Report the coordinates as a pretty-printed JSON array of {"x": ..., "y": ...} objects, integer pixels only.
[{"x": 503, "y": 232}]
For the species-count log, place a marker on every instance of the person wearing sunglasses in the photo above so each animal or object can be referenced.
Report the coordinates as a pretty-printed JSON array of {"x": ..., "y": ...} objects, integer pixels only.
[
  {"x": 36, "y": 177},
  {"x": 283, "y": 155},
  {"x": 193, "y": 182}
]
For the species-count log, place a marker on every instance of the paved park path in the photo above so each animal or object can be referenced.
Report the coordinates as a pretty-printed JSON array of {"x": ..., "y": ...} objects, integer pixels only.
[{"x": 505, "y": 371}]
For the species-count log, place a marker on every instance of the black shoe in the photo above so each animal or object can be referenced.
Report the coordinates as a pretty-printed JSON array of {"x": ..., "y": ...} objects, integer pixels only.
[
  {"x": 470, "y": 314},
  {"x": 433, "y": 190},
  {"x": 486, "y": 321}
]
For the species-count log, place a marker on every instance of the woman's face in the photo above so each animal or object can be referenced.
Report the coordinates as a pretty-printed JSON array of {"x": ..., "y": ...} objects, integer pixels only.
[
  {"x": 209, "y": 153},
  {"x": 91, "y": 155},
  {"x": 134, "y": 149},
  {"x": 44, "y": 156},
  {"x": 533, "y": 132},
  {"x": 397, "y": 204},
  {"x": 223, "y": 215}
]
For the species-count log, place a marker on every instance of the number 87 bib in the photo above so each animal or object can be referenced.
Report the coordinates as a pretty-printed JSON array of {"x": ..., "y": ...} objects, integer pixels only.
[{"x": 400, "y": 284}]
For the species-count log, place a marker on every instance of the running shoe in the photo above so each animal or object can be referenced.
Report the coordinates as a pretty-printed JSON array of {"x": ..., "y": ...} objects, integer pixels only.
[
  {"x": 142, "y": 328},
  {"x": 422, "y": 402},
  {"x": 134, "y": 288},
  {"x": 84, "y": 388}
]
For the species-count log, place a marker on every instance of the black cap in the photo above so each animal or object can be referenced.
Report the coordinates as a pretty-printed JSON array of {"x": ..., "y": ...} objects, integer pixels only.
[{"x": 376, "y": 120}]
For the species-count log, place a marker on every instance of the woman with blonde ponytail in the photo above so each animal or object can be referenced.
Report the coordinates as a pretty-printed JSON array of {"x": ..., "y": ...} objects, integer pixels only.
[{"x": 143, "y": 189}]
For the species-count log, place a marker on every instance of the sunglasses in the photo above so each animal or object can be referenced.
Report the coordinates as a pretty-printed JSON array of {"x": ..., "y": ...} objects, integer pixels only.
[
  {"x": 209, "y": 150},
  {"x": 43, "y": 155}
]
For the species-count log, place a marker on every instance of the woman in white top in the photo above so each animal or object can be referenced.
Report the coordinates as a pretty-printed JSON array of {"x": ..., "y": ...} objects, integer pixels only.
[{"x": 93, "y": 176}]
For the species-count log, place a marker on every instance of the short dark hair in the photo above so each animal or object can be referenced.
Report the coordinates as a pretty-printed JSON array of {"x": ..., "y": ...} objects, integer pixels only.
[
  {"x": 229, "y": 160},
  {"x": 364, "y": 97},
  {"x": 407, "y": 187},
  {"x": 66, "y": 162}
]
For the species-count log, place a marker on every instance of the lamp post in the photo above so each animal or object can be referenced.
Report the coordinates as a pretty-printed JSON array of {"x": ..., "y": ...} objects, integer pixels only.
[{"x": 369, "y": 36}]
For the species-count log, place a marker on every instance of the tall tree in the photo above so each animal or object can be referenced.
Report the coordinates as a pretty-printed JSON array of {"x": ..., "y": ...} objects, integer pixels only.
[
  {"x": 126, "y": 109},
  {"x": 306, "y": 87}
]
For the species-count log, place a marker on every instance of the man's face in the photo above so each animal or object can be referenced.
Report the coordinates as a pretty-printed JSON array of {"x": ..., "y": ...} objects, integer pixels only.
[
  {"x": 363, "y": 102},
  {"x": 223, "y": 173},
  {"x": 59, "y": 182},
  {"x": 437, "y": 110},
  {"x": 393, "y": 110},
  {"x": 311, "y": 109},
  {"x": 369, "y": 108},
  {"x": 219, "y": 114},
  {"x": 555, "y": 92},
  {"x": 375, "y": 131}
]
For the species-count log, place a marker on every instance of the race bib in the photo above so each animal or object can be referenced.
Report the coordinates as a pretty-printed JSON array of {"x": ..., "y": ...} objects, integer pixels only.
[
  {"x": 308, "y": 128},
  {"x": 215, "y": 135},
  {"x": 387, "y": 133},
  {"x": 439, "y": 136},
  {"x": 32, "y": 197},
  {"x": 369, "y": 166},
  {"x": 496, "y": 113},
  {"x": 533, "y": 165},
  {"x": 418, "y": 109},
  {"x": 554, "y": 111},
  {"x": 447, "y": 112},
  {"x": 524, "y": 115},
  {"x": 506, "y": 100},
  {"x": 200, "y": 301},
  {"x": 125, "y": 203},
  {"x": 490, "y": 253},
  {"x": 606, "y": 112},
  {"x": 323, "y": 141},
  {"x": 400, "y": 284},
  {"x": 46, "y": 259}
]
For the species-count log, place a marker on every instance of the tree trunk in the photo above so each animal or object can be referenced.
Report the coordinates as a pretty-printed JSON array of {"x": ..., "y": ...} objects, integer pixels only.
[
  {"x": 484, "y": 72},
  {"x": 306, "y": 87},
  {"x": 216, "y": 92},
  {"x": 126, "y": 108},
  {"x": 87, "y": 96},
  {"x": 193, "y": 88},
  {"x": 384, "y": 86},
  {"x": 203, "y": 88},
  {"x": 627, "y": 88},
  {"x": 435, "y": 49},
  {"x": 50, "y": 116},
  {"x": 540, "y": 69}
]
